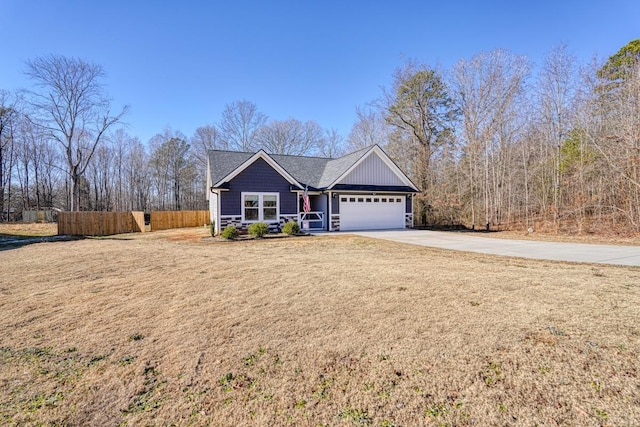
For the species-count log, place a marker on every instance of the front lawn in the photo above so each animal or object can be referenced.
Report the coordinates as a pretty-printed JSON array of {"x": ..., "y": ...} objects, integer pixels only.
[{"x": 169, "y": 328}]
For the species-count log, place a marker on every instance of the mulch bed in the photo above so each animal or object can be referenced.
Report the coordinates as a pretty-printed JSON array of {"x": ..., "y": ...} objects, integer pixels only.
[{"x": 247, "y": 237}]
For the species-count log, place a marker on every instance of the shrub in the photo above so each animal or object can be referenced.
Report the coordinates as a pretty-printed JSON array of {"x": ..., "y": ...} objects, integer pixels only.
[
  {"x": 230, "y": 232},
  {"x": 258, "y": 229},
  {"x": 291, "y": 227}
]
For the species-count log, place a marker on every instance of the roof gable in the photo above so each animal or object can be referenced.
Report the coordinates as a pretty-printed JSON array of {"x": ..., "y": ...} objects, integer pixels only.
[
  {"x": 231, "y": 164},
  {"x": 337, "y": 167},
  {"x": 372, "y": 170},
  {"x": 374, "y": 165}
]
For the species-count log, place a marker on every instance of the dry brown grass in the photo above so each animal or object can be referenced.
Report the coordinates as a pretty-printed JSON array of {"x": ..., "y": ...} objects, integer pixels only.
[
  {"x": 20, "y": 229},
  {"x": 166, "y": 328},
  {"x": 631, "y": 239}
]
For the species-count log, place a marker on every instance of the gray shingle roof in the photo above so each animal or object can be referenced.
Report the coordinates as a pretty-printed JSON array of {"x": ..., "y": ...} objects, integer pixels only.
[
  {"x": 306, "y": 170},
  {"x": 222, "y": 163},
  {"x": 315, "y": 172},
  {"x": 336, "y": 167}
]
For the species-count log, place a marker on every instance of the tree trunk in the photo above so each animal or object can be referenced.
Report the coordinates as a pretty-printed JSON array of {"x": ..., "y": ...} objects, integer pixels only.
[{"x": 75, "y": 191}]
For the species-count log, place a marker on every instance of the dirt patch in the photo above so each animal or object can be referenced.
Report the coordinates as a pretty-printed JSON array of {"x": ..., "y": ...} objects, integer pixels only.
[{"x": 165, "y": 328}]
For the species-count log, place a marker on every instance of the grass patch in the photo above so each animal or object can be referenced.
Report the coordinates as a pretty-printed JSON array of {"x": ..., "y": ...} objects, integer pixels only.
[
  {"x": 26, "y": 230},
  {"x": 136, "y": 337}
]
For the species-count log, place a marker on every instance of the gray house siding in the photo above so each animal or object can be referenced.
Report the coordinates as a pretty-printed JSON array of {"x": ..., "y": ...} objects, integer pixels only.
[
  {"x": 372, "y": 171},
  {"x": 258, "y": 177}
]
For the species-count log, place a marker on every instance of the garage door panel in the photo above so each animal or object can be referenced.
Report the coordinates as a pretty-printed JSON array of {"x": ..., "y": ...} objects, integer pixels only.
[{"x": 371, "y": 212}]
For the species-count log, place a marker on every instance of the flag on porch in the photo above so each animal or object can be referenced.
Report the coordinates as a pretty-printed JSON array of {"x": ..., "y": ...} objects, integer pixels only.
[{"x": 306, "y": 203}]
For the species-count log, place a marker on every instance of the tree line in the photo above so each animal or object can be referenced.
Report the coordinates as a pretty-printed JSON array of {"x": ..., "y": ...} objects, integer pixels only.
[
  {"x": 61, "y": 146},
  {"x": 490, "y": 142},
  {"x": 493, "y": 145}
]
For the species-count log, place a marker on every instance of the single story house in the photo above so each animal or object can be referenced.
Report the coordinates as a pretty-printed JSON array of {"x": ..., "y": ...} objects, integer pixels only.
[{"x": 362, "y": 190}]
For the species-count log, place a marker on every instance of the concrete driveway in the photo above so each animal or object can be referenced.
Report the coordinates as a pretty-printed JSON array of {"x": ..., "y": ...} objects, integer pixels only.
[{"x": 572, "y": 252}]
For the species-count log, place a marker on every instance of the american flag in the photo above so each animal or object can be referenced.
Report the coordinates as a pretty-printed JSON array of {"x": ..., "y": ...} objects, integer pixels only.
[{"x": 306, "y": 203}]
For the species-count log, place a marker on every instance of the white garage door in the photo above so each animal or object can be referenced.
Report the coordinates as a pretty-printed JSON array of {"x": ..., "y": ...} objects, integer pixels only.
[{"x": 371, "y": 212}]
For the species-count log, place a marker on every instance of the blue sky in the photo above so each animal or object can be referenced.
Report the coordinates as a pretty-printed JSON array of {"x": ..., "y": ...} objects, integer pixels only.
[{"x": 178, "y": 63}]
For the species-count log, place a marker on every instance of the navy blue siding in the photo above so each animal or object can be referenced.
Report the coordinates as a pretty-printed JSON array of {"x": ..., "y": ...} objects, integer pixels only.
[
  {"x": 409, "y": 201},
  {"x": 258, "y": 177},
  {"x": 335, "y": 205}
]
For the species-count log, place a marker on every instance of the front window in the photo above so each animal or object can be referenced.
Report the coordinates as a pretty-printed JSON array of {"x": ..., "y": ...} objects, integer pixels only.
[
  {"x": 260, "y": 207},
  {"x": 270, "y": 207},
  {"x": 251, "y": 207}
]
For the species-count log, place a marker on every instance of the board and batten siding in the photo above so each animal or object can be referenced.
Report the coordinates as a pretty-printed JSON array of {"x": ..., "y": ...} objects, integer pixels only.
[
  {"x": 258, "y": 177},
  {"x": 372, "y": 171}
]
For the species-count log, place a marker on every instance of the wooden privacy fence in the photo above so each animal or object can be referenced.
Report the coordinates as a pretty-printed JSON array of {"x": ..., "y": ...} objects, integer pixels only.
[
  {"x": 163, "y": 220},
  {"x": 107, "y": 223},
  {"x": 100, "y": 223}
]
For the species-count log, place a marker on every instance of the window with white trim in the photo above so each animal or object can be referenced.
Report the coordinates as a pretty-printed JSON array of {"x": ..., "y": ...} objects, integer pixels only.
[{"x": 260, "y": 207}]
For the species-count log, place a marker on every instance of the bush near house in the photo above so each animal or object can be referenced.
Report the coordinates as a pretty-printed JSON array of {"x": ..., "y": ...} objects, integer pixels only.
[
  {"x": 258, "y": 229},
  {"x": 230, "y": 232},
  {"x": 291, "y": 228}
]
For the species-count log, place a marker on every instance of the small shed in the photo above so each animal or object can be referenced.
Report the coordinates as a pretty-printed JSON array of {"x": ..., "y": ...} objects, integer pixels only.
[{"x": 42, "y": 215}]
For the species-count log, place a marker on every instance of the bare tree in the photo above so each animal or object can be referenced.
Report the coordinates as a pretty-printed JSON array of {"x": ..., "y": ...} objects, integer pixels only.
[
  {"x": 240, "y": 122},
  {"x": 8, "y": 116},
  {"x": 101, "y": 176},
  {"x": 120, "y": 147},
  {"x": 289, "y": 137},
  {"x": 137, "y": 176},
  {"x": 488, "y": 89},
  {"x": 369, "y": 129},
  {"x": 35, "y": 168},
  {"x": 207, "y": 138},
  {"x": 170, "y": 166},
  {"x": 556, "y": 90},
  {"x": 70, "y": 103},
  {"x": 331, "y": 145}
]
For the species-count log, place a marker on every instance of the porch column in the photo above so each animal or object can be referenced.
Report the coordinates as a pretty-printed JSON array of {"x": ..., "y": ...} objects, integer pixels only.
[
  {"x": 329, "y": 211},
  {"x": 214, "y": 211}
]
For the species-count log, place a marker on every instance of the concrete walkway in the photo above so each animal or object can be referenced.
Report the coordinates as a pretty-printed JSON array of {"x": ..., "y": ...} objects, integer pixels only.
[{"x": 572, "y": 252}]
